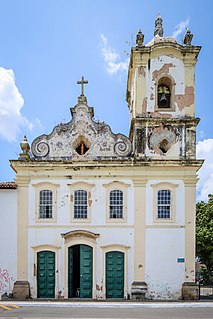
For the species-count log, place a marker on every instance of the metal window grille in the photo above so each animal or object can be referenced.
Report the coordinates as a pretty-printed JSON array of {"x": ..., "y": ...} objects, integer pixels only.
[
  {"x": 80, "y": 204},
  {"x": 164, "y": 204},
  {"x": 45, "y": 204},
  {"x": 116, "y": 204}
]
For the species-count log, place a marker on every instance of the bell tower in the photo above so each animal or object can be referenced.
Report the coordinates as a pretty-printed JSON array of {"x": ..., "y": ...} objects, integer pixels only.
[{"x": 160, "y": 96}]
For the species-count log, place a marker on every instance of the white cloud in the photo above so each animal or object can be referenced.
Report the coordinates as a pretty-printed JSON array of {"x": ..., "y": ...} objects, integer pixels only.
[
  {"x": 180, "y": 28},
  {"x": 112, "y": 58},
  {"x": 11, "y": 103},
  {"x": 205, "y": 184},
  {"x": 38, "y": 124}
]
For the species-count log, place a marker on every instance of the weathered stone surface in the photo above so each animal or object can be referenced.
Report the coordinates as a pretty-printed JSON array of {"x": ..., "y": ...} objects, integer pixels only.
[
  {"x": 171, "y": 138},
  {"x": 161, "y": 134},
  {"x": 97, "y": 137},
  {"x": 190, "y": 291},
  {"x": 139, "y": 290},
  {"x": 21, "y": 290}
]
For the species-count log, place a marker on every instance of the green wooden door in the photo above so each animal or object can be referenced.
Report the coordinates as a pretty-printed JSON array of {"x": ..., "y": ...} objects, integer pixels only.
[
  {"x": 86, "y": 269},
  {"x": 80, "y": 271},
  {"x": 46, "y": 274},
  {"x": 115, "y": 274}
]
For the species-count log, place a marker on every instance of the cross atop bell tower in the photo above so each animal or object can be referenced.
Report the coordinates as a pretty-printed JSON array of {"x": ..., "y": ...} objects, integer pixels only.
[{"x": 82, "y": 98}]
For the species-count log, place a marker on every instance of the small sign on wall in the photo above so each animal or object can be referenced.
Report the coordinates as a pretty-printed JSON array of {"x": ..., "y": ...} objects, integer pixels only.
[{"x": 180, "y": 260}]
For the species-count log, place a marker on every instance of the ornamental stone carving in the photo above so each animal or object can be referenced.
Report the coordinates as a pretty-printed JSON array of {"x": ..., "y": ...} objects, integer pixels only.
[
  {"x": 162, "y": 138},
  {"x": 188, "y": 38},
  {"x": 25, "y": 147},
  {"x": 81, "y": 139},
  {"x": 40, "y": 149}
]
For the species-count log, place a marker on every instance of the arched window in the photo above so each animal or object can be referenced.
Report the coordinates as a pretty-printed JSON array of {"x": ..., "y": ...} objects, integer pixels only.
[
  {"x": 116, "y": 204},
  {"x": 164, "y": 204},
  {"x": 80, "y": 204},
  {"x": 45, "y": 204},
  {"x": 164, "y": 93}
]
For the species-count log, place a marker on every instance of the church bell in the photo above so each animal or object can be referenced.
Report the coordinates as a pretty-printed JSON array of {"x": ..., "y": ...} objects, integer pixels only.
[
  {"x": 163, "y": 96},
  {"x": 163, "y": 100}
]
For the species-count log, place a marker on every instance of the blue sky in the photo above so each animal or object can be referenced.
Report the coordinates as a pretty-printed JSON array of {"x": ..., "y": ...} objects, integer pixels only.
[{"x": 47, "y": 45}]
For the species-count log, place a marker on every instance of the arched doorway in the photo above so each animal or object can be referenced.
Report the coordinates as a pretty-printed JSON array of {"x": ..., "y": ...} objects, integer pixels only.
[{"x": 80, "y": 271}]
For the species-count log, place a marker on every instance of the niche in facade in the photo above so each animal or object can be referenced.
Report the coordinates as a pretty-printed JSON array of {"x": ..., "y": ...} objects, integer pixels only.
[
  {"x": 82, "y": 148},
  {"x": 164, "y": 146},
  {"x": 81, "y": 145}
]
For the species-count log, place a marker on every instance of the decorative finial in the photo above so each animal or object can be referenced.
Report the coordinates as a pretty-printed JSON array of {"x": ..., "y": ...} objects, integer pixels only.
[
  {"x": 158, "y": 26},
  {"x": 139, "y": 39},
  {"x": 188, "y": 37},
  {"x": 25, "y": 147},
  {"x": 82, "y": 98}
]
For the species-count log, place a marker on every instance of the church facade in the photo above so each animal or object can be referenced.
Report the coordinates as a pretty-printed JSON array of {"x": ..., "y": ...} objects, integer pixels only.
[{"x": 101, "y": 215}]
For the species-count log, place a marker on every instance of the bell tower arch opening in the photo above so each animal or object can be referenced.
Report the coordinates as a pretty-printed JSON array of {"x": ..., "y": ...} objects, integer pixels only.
[{"x": 165, "y": 88}]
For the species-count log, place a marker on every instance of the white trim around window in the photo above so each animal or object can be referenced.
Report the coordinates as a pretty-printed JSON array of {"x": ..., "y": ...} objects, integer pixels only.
[
  {"x": 46, "y": 202},
  {"x": 164, "y": 202},
  {"x": 81, "y": 207},
  {"x": 116, "y": 198}
]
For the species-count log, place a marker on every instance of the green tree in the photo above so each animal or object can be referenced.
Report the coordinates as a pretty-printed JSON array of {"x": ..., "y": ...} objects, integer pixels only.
[{"x": 204, "y": 235}]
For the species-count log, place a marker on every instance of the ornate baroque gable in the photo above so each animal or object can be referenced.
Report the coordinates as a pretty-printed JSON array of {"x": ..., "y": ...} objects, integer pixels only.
[{"x": 81, "y": 139}]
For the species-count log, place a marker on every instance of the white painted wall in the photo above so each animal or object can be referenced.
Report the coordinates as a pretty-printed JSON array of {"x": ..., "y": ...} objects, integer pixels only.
[
  {"x": 8, "y": 239},
  {"x": 98, "y": 195},
  {"x": 110, "y": 233},
  {"x": 163, "y": 274},
  {"x": 165, "y": 242}
]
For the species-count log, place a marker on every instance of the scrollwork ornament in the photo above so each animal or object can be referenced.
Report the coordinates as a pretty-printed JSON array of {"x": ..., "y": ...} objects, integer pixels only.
[
  {"x": 41, "y": 149},
  {"x": 122, "y": 148}
]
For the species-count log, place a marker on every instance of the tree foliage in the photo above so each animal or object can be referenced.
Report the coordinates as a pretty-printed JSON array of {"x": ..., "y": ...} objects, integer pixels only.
[{"x": 204, "y": 234}]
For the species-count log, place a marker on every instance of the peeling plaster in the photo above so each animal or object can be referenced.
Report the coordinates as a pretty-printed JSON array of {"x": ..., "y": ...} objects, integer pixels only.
[
  {"x": 141, "y": 71},
  {"x": 158, "y": 134},
  {"x": 99, "y": 292},
  {"x": 186, "y": 99},
  {"x": 99, "y": 288},
  {"x": 164, "y": 70},
  {"x": 144, "y": 105},
  {"x": 162, "y": 290},
  {"x": 161, "y": 115}
]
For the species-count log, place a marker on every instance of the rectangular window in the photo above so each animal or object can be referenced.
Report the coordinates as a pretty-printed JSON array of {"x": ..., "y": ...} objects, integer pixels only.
[
  {"x": 164, "y": 204},
  {"x": 80, "y": 204},
  {"x": 45, "y": 204},
  {"x": 116, "y": 204}
]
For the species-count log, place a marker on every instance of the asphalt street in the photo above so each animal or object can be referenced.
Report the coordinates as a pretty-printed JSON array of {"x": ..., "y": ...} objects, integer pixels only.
[{"x": 171, "y": 310}]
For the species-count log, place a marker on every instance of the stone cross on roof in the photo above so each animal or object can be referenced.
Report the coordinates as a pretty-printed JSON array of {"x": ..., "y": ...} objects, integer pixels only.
[
  {"x": 82, "y": 98},
  {"x": 82, "y": 82}
]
